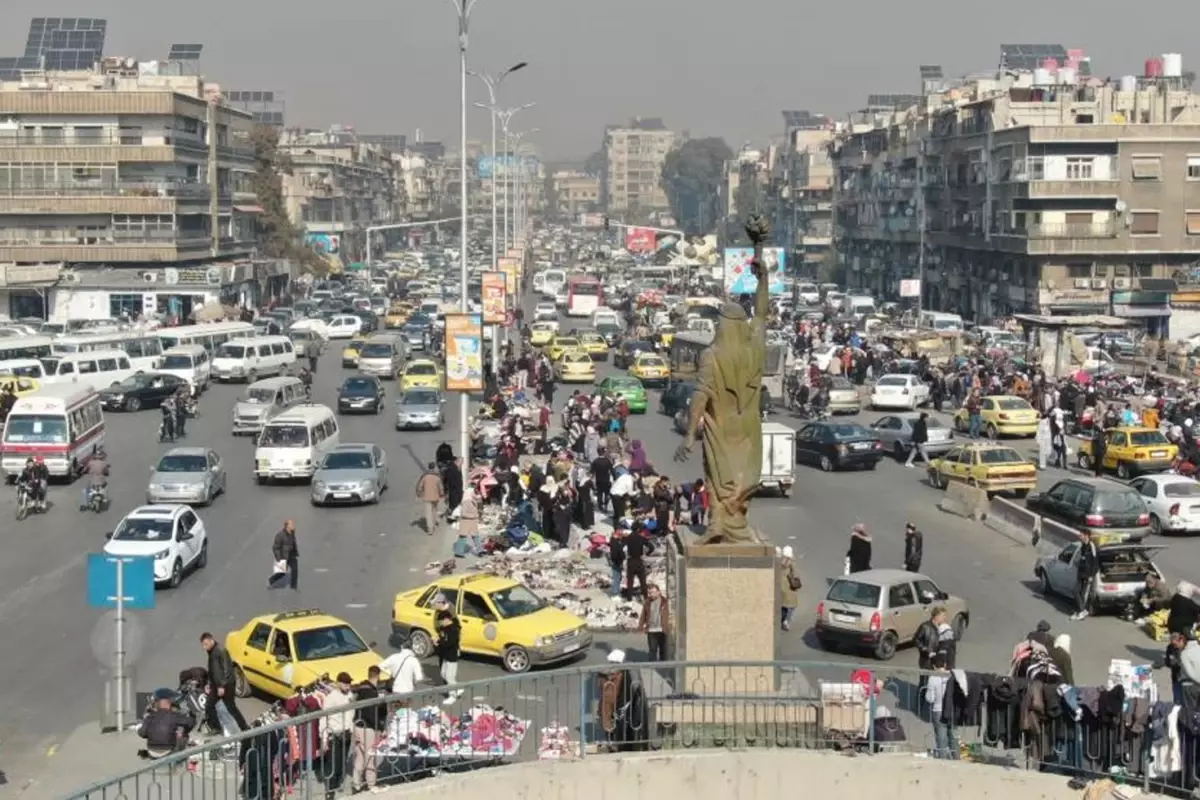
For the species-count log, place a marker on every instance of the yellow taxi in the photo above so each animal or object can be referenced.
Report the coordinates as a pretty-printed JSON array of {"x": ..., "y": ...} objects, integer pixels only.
[
  {"x": 575, "y": 366},
  {"x": 541, "y": 333},
  {"x": 651, "y": 369},
  {"x": 279, "y": 653},
  {"x": 421, "y": 374},
  {"x": 1003, "y": 415},
  {"x": 397, "y": 315},
  {"x": 352, "y": 349},
  {"x": 987, "y": 466},
  {"x": 1131, "y": 451},
  {"x": 594, "y": 345},
  {"x": 501, "y": 618},
  {"x": 664, "y": 335},
  {"x": 19, "y": 384},
  {"x": 561, "y": 344}
]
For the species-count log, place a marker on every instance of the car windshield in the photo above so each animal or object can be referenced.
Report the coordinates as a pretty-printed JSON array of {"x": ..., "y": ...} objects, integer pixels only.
[
  {"x": 424, "y": 398},
  {"x": 182, "y": 464},
  {"x": 377, "y": 350},
  {"x": 1147, "y": 438},
  {"x": 516, "y": 601},
  {"x": 638, "y": 345},
  {"x": 854, "y": 593},
  {"x": 348, "y": 460},
  {"x": 143, "y": 529},
  {"x": 36, "y": 429},
  {"x": 1182, "y": 489},
  {"x": 624, "y": 385},
  {"x": 607, "y": 327},
  {"x": 231, "y": 351},
  {"x": 284, "y": 436},
  {"x": 839, "y": 384},
  {"x": 1014, "y": 404},
  {"x": 1000, "y": 455},
  {"x": 333, "y": 642},
  {"x": 358, "y": 386},
  {"x": 421, "y": 369},
  {"x": 566, "y": 342},
  {"x": 50, "y": 365},
  {"x": 177, "y": 362},
  {"x": 26, "y": 371},
  {"x": 300, "y": 336},
  {"x": 651, "y": 362},
  {"x": 259, "y": 397},
  {"x": 849, "y": 431}
]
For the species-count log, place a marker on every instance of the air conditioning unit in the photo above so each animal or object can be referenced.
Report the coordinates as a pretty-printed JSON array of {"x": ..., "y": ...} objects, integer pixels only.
[
  {"x": 150, "y": 277},
  {"x": 1122, "y": 283},
  {"x": 1082, "y": 283},
  {"x": 1099, "y": 283}
]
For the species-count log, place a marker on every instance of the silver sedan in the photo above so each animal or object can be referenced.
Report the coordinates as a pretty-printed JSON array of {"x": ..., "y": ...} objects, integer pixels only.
[
  {"x": 420, "y": 408},
  {"x": 350, "y": 473},
  {"x": 896, "y": 434},
  {"x": 192, "y": 475}
]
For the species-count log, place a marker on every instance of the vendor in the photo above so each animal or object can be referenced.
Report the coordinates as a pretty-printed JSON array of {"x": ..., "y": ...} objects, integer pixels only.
[{"x": 1157, "y": 595}]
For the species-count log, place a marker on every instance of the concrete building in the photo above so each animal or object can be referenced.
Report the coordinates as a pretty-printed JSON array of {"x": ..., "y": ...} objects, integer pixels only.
[
  {"x": 337, "y": 188},
  {"x": 1028, "y": 192},
  {"x": 575, "y": 193},
  {"x": 422, "y": 178},
  {"x": 631, "y": 182},
  {"x": 801, "y": 190},
  {"x": 265, "y": 107}
]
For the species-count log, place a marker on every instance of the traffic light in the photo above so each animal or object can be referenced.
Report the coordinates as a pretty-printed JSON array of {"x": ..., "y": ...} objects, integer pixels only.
[{"x": 606, "y": 223}]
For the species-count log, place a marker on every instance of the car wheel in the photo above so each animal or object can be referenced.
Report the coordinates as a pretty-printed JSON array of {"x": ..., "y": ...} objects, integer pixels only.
[
  {"x": 959, "y": 625},
  {"x": 1155, "y": 525},
  {"x": 1045, "y": 581},
  {"x": 872, "y": 464},
  {"x": 886, "y": 649},
  {"x": 177, "y": 573},
  {"x": 241, "y": 686},
  {"x": 992, "y": 431},
  {"x": 132, "y": 404},
  {"x": 1084, "y": 461},
  {"x": 420, "y": 643},
  {"x": 202, "y": 559},
  {"x": 1123, "y": 471},
  {"x": 826, "y": 464},
  {"x": 516, "y": 659}
]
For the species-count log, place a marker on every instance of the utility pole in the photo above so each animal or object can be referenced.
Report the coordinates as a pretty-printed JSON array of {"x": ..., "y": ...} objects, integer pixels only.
[{"x": 921, "y": 230}]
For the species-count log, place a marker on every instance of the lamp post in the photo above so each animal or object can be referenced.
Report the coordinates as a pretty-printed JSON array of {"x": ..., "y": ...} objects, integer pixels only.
[
  {"x": 518, "y": 213},
  {"x": 505, "y": 118}
]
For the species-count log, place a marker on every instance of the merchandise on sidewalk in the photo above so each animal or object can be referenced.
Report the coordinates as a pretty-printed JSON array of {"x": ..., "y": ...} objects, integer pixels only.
[
  {"x": 482, "y": 733},
  {"x": 555, "y": 743}
]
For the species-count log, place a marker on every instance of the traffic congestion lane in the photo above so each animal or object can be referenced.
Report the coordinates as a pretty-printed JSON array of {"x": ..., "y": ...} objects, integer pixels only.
[{"x": 352, "y": 562}]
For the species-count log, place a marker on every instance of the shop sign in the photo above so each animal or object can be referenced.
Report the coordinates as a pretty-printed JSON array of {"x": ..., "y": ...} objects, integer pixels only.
[
  {"x": 1072, "y": 297},
  {"x": 34, "y": 274}
]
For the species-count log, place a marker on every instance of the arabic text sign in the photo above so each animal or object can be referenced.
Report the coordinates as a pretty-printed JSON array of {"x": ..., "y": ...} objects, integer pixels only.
[
  {"x": 464, "y": 352},
  {"x": 512, "y": 273},
  {"x": 494, "y": 289}
]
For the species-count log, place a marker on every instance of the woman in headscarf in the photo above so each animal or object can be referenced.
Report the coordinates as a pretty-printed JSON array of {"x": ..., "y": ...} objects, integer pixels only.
[
  {"x": 638, "y": 463},
  {"x": 585, "y": 505},
  {"x": 561, "y": 511},
  {"x": 545, "y": 498},
  {"x": 1042, "y": 437},
  {"x": 789, "y": 585},
  {"x": 858, "y": 557}
]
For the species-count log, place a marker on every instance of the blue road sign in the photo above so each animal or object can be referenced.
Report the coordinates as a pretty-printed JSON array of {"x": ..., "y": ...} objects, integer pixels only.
[{"x": 137, "y": 581}]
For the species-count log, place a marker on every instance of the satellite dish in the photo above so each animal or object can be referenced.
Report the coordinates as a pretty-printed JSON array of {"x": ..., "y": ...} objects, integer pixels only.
[{"x": 1120, "y": 206}]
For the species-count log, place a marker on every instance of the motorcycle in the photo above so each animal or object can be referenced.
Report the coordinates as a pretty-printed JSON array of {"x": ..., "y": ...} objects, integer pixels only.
[
  {"x": 97, "y": 499},
  {"x": 26, "y": 505}
]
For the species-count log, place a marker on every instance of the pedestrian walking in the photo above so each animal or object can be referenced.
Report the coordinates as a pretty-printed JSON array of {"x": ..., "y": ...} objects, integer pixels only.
[
  {"x": 370, "y": 725},
  {"x": 914, "y": 548},
  {"x": 449, "y": 642},
  {"x": 430, "y": 492},
  {"x": 222, "y": 685},
  {"x": 287, "y": 553},
  {"x": 858, "y": 557},
  {"x": 974, "y": 418},
  {"x": 655, "y": 623},
  {"x": 1099, "y": 449},
  {"x": 920, "y": 435},
  {"x": 1042, "y": 437},
  {"x": 1089, "y": 566},
  {"x": 789, "y": 587}
]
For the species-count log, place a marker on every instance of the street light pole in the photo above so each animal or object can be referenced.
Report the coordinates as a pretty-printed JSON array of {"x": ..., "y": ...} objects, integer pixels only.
[
  {"x": 505, "y": 118},
  {"x": 518, "y": 214}
]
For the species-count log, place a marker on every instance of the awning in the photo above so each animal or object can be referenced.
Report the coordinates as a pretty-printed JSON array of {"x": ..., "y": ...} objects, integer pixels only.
[
  {"x": 1078, "y": 308},
  {"x": 1124, "y": 310},
  {"x": 249, "y": 209}
]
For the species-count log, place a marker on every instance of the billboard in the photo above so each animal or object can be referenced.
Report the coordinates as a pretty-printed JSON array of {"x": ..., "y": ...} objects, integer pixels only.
[
  {"x": 739, "y": 279},
  {"x": 327, "y": 244},
  {"x": 640, "y": 240},
  {"x": 494, "y": 287},
  {"x": 591, "y": 220},
  {"x": 464, "y": 353},
  {"x": 512, "y": 275},
  {"x": 487, "y": 166},
  {"x": 910, "y": 288}
]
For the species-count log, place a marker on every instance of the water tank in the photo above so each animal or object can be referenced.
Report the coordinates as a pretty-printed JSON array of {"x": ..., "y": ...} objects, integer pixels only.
[
  {"x": 1068, "y": 76},
  {"x": 1172, "y": 64},
  {"x": 1043, "y": 77},
  {"x": 1050, "y": 64},
  {"x": 1128, "y": 83},
  {"x": 1154, "y": 67}
]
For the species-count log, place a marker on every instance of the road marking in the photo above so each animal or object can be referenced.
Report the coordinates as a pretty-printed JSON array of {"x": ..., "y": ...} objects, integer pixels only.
[
  {"x": 51, "y": 750},
  {"x": 356, "y": 605},
  {"x": 321, "y": 569}
]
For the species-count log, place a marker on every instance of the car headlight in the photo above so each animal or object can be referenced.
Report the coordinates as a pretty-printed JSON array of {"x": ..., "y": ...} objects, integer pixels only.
[
  {"x": 544, "y": 641},
  {"x": 319, "y": 485},
  {"x": 367, "y": 486},
  {"x": 116, "y": 398},
  {"x": 161, "y": 554}
]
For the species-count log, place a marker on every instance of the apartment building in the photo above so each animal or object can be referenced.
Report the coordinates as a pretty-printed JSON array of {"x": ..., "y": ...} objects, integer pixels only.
[
  {"x": 631, "y": 182},
  {"x": 575, "y": 193},
  {"x": 1029, "y": 192},
  {"x": 421, "y": 178},
  {"x": 337, "y": 188},
  {"x": 801, "y": 189}
]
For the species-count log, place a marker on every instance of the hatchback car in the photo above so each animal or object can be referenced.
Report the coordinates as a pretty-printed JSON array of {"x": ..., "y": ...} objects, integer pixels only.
[
  {"x": 1172, "y": 500},
  {"x": 896, "y": 434},
  {"x": 837, "y": 445},
  {"x": 879, "y": 610},
  {"x": 420, "y": 408},
  {"x": 187, "y": 475},
  {"x": 360, "y": 394},
  {"x": 1096, "y": 505},
  {"x": 899, "y": 391},
  {"x": 172, "y": 535},
  {"x": 1124, "y": 565},
  {"x": 350, "y": 473}
]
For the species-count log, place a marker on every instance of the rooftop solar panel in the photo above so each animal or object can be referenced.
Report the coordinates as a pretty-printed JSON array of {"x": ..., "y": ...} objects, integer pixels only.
[{"x": 185, "y": 52}]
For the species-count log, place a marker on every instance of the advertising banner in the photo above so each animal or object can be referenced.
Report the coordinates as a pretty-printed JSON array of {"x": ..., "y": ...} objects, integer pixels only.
[
  {"x": 640, "y": 240},
  {"x": 495, "y": 290},
  {"x": 512, "y": 275},
  {"x": 739, "y": 278},
  {"x": 910, "y": 288},
  {"x": 464, "y": 353},
  {"x": 327, "y": 244}
]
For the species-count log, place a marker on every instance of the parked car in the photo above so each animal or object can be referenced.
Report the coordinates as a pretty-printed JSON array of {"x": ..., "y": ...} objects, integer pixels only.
[
  {"x": 1124, "y": 565},
  {"x": 1172, "y": 500},
  {"x": 836, "y": 445},
  {"x": 1096, "y": 505},
  {"x": 1131, "y": 451},
  {"x": 896, "y": 434}
]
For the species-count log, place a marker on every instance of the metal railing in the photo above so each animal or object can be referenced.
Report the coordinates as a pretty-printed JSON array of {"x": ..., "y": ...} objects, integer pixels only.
[
  {"x": 112, "y": 189},
  {"x": 576, "y": 713},
  {"x": 1072, "y": 230}
]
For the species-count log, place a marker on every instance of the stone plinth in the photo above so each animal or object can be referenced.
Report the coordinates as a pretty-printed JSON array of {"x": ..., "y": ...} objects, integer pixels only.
[{"x": 728, "y": 610}]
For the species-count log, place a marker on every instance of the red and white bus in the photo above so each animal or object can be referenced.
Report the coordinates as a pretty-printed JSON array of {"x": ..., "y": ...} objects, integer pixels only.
[
  {"x": 584, "y": 295},
  {"x": 61, "y": 423}
]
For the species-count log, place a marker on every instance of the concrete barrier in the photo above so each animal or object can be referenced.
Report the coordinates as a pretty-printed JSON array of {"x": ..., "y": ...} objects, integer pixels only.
[
  {"x": 1012, "y": 520},
  {"x": 963, "y": 500},
  {"x": 1057, "y": 534}
]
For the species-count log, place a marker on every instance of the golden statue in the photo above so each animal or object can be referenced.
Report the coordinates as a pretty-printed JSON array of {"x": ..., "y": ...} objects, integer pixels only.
[{"x": 725, "y": 407}]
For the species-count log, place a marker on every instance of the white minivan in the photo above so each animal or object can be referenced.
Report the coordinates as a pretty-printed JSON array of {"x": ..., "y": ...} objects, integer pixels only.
[
  {"x": 95, "y": 369},
  {"x": 293, "y": 443},
  {"x": 264, "y": 400},
  {"x": 188, "y": 362},
  {"x": 250, "y": 359}
]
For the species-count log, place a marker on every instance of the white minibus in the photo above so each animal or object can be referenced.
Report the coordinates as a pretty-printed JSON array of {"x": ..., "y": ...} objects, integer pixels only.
[
  {"x": 63, "y": 424},
  {"x": 250, "y": 359},
  {"x": 293, "y": 443}
]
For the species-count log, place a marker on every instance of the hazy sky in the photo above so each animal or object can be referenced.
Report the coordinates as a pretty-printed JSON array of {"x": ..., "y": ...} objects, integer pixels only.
[{"x": 722, "y": 69}]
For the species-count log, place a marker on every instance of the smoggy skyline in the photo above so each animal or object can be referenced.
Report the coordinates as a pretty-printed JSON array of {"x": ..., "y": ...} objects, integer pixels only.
[{"x": 723, "y": 70}]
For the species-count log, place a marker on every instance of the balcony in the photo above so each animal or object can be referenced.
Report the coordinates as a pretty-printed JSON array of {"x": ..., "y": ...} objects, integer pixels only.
[
  {"x": 107, "y": 246},
  {"x": 98, "y": 145},
  {"x": 122, "y": 197},
  {"x": 1071, "y": 230}
]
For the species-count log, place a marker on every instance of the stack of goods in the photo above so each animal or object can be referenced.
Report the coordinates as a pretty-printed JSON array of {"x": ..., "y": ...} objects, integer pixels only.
[
  {"x": 1138, "y": 681},
  {"x": 554, "y": 571},
  {"x": 481, "y": 732},
  {"x": 603, "y": 613},
  {"x": 555, "y": 743}
]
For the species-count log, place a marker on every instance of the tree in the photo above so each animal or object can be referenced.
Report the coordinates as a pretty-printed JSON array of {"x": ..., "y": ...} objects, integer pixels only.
[
  {"x": 691, "y": 177},
  {"x": 277, "y": 236},
  {"x": 594, "y": 165}
]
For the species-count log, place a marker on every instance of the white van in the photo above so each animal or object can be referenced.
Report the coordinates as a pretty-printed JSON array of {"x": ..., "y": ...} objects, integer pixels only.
[
  {"x": 554, "y": 281},
  {"x": 293, "y": 444},
  {"x": 381, "y": 355},
  {"x": 858, "y": 305},
  {"x": 264, "y": 400},
  {"x": 23, "y": 368},
  {"x": 62, "y": 424},
  {"x": 189, "y": 362},
  {"x": 939, "y": 321},
  {"x": 95, "y": 369},
  {"x": 250, "y": 359}
]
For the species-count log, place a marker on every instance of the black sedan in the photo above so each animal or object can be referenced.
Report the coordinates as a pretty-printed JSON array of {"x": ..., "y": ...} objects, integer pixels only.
[
  {"x": 628, "y": 352},
  {"x": 836, "y": 445},
  {"x": 360, "y": 394},
  {"x": 676, "y": 397},
  {"x": 147, "y": 390}
]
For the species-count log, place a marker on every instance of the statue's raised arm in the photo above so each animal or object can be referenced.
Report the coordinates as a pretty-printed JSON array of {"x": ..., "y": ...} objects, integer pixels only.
[{"x": 758, "y": 229}]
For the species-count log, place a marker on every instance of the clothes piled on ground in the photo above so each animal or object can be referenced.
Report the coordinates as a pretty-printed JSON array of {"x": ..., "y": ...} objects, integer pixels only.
[
  {"x": 602, "y": 612},
  {"x": 429, "y": 732},
  {"x": 555, "y": 743}
]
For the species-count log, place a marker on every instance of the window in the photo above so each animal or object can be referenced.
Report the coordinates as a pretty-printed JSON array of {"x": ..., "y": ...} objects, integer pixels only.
[
  {"x": 187, "y": 520},
  {"x": 1193, "y": 168},
  {"x": 1080, "y": 168},
  {"x": 476, "y": 607},
  {"x": 259, "y": 636},
  {"x": 87, "y": 367},
  {"x": 1079, "y": 270},
  {"x": 281, "y": 648},
  {"x": 127, "y": 305},
  {"x": 1144, "y": 223},
  {"x": 1193, "y": 223},
  {"x": 108, "y": 364},
  {"x": 927, "y": 589},
  {"x": 901, "y": 595},
  {"x": 1147, "y": 168}
]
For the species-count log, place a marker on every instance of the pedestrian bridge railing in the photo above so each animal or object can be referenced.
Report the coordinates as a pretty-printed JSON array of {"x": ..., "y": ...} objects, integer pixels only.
[{"x": 576, "y": 713}]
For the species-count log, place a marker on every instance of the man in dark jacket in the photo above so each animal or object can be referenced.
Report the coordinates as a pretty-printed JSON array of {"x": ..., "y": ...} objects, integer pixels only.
[
  {"x": 602, "y": 476},
  {"x": 1099, "y": 446},
  {"x": 164, "y": 729},
  {"x": 222, "y": 684},
  {"x": 452, "y": 480},
  {"x": 920, "y": 435},
  {"x": 914, "y": 548},
  {"x": 1089, "y": 565},
  {"x": 285, "y": 550}
]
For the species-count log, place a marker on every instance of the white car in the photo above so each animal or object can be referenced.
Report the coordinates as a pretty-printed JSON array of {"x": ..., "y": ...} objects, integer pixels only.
[
  {"x": 899, "y": 391},
  {"x": 823, "y": 355},
  {"x": 545, "y": 308},
  {"x": 171, "y": 534},
  {"x": 344, "y": 326},
  {"x": 1172, "y": 500}
]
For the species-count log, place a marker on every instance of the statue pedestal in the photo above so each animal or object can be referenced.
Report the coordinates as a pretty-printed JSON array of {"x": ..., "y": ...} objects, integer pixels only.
[{"x": 727, "y": 601}]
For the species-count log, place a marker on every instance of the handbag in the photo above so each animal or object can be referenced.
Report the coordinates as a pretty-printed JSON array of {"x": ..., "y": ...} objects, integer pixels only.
[{"x": 793, "y": 581}]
